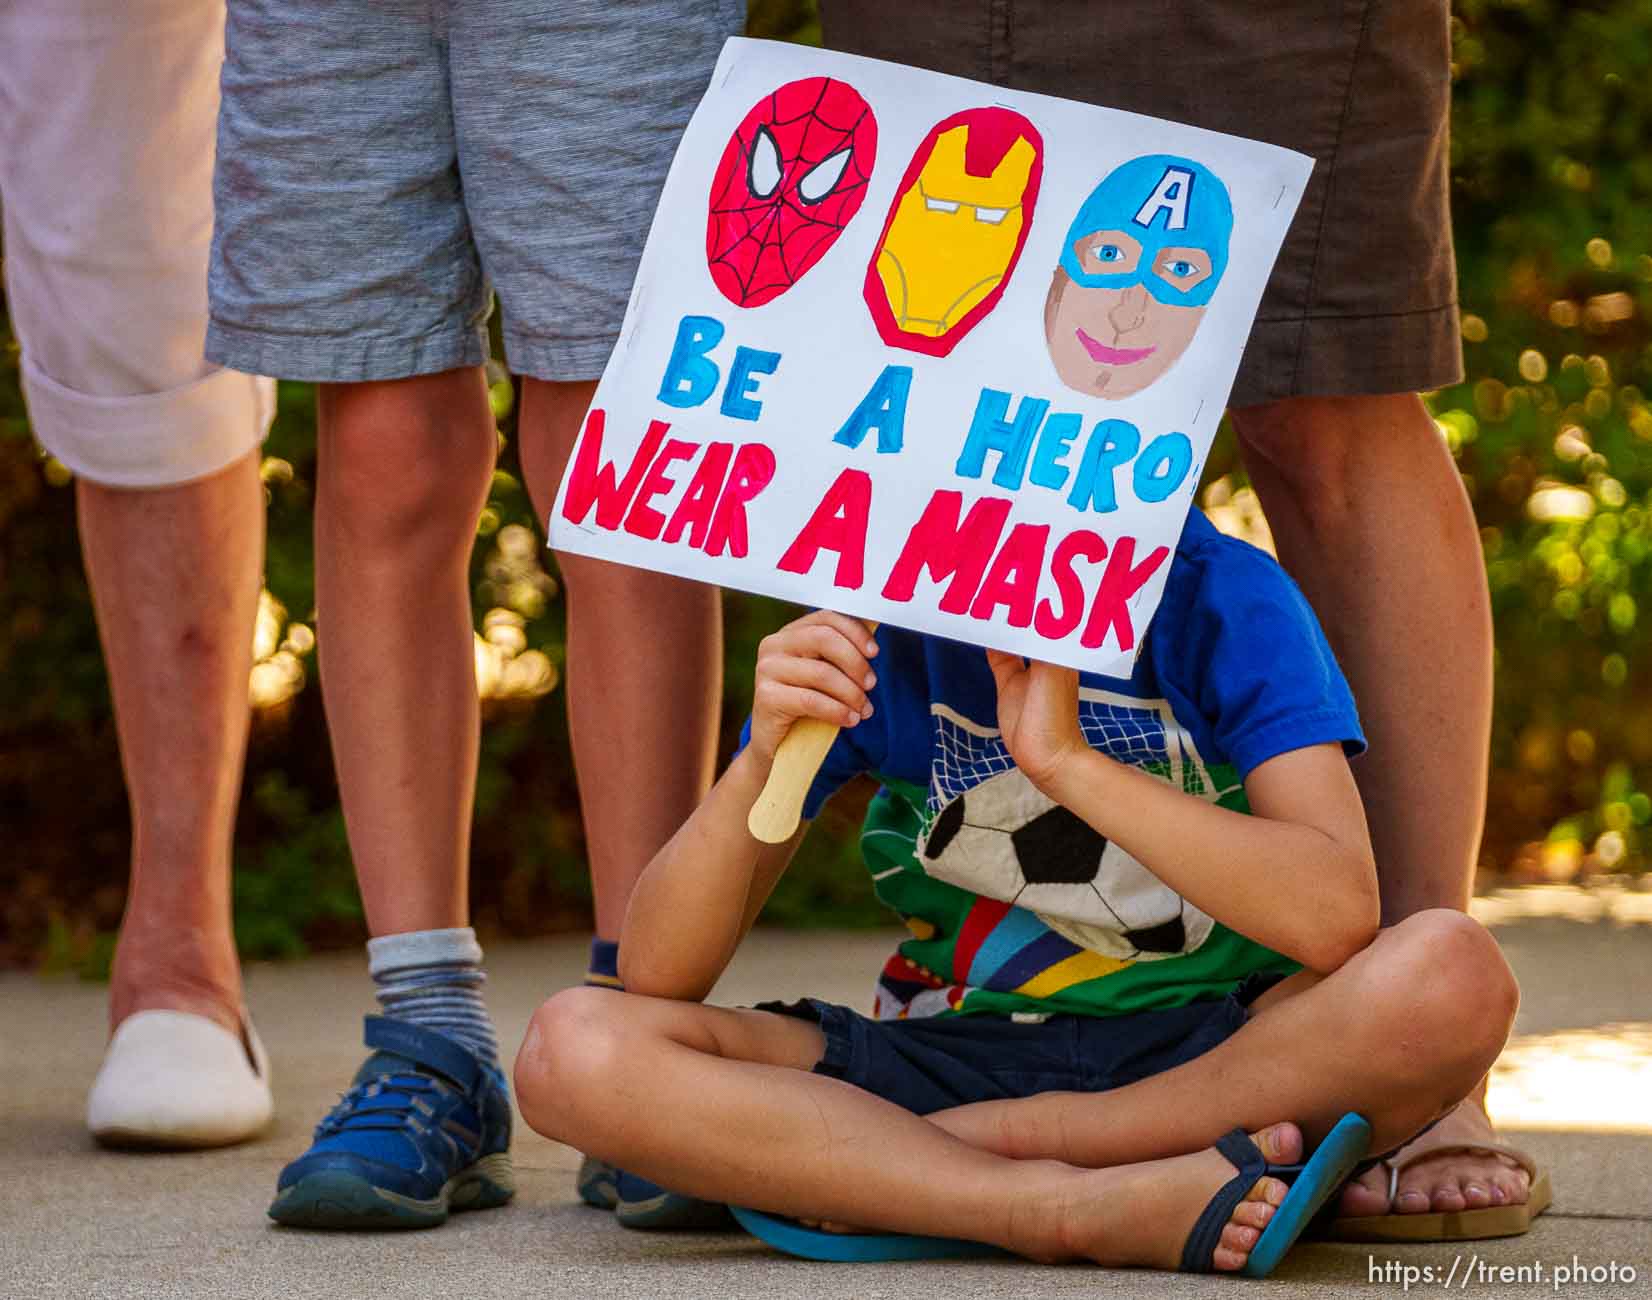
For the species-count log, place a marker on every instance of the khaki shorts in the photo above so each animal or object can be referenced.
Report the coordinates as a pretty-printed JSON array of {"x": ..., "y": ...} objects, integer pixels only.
[
  {"x": 1364, "y": 296},
  {"x": 107, "y": 112}
]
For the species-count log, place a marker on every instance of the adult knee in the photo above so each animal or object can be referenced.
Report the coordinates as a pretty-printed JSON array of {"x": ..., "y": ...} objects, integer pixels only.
[
  {"x": 405, "y": 466},
  {"x": 569, "y": 1050},
  {"x": 1321, "y": 450}
]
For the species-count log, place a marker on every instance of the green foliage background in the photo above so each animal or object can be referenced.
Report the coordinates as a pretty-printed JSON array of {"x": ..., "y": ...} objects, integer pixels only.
[{"x": 1552, "y": 202}]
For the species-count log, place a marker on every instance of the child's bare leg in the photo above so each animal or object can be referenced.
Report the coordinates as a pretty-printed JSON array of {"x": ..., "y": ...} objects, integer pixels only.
[
  {"x": 402, "y": 476},
  {"x": 645, "y": 676},
  {"x": 721, "y": 1104},
  {"x": 1400, "y": 1034}
]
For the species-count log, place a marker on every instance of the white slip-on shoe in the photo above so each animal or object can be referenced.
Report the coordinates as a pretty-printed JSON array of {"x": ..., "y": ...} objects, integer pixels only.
[{"x": 172, "y": 1079}]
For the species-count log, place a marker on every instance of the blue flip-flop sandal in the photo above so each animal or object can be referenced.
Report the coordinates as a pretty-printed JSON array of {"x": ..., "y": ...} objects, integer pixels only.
[
  {"x": 1312, "y": 1183},
  {"x": 853, "y": 1247}
]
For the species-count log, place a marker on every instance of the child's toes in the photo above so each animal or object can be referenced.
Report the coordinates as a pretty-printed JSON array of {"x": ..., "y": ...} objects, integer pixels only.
[
  {"x": 1280, "y": 1143},
  {"x": 1237, "y": 1237},
  {"x": 1244, "y": 1228},
  {"x": 1267, "y": 1191}
]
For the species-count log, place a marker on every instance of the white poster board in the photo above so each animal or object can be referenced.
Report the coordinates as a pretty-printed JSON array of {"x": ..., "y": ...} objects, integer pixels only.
[{"x": 928, "y": 351}]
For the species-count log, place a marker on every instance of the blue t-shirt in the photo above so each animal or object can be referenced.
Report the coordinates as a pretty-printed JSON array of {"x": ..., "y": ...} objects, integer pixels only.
[{"x": 1016, "y": 904}]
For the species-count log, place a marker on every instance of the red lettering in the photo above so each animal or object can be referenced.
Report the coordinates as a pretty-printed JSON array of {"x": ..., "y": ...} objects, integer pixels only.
[
  {"x": 1118, "y": 584},
  {"x": 593, "y": 480},
  {"x": 752, "y": 472},
  {"x": 644, "y": 520},
  {"x": 838, "y": 524},
  {"x": 945, "y": 547},
  {"x": 1082, "y": 544},
  {"x": 694, "y": 511},
  {"x": 1013, "y": 579}
]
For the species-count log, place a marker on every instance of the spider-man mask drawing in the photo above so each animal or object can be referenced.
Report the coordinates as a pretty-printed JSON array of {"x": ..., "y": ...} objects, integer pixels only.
[{"x": 792, "y": 177}]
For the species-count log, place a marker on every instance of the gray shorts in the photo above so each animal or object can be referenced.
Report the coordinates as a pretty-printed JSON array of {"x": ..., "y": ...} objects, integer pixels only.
[
  {"x": 1363, "y": 298},
  {"x": 383, "y": 164}
]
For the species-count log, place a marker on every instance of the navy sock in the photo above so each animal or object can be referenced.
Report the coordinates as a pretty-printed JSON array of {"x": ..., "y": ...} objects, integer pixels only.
[{"x": 602, "y": 971}]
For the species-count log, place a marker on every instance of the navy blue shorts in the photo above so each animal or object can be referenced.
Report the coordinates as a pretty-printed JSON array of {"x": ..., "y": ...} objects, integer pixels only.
[{"x": 937, "y": 1062}]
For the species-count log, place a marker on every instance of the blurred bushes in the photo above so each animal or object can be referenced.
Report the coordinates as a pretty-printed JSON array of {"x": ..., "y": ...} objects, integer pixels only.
[
  {"x": 1553, "y": 209},
  {"x": 1552, "y": 194}
]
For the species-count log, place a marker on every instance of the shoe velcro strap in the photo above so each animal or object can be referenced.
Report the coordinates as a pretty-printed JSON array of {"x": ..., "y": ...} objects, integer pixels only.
[{"x": 424, "y": 1047}]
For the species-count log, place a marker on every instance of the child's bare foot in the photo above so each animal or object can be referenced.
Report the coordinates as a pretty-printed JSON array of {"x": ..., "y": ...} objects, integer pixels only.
[{"x": 1142, "y": 1214}]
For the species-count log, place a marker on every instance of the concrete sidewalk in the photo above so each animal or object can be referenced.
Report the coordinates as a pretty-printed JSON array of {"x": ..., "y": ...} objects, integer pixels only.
[{"x": 83, "y": 1224}]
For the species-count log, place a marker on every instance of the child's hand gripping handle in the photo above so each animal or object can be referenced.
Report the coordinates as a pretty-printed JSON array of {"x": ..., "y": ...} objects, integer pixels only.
[{"x": 779, "y": 808}]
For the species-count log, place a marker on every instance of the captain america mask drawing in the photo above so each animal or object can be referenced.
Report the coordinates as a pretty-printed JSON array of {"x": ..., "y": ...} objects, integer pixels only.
[{"x": 1138, "y": 268}]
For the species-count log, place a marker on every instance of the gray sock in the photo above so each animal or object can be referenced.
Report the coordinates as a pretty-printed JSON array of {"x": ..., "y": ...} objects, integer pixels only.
[{"x": 433, "y": 978}]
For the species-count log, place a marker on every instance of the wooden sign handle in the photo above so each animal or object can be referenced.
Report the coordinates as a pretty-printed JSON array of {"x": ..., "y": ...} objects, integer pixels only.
[{"x": 779, "y": 808}]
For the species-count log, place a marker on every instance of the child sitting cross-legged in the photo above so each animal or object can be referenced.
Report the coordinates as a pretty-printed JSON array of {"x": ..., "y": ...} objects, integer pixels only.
[{"x": 1143, "y": 913}]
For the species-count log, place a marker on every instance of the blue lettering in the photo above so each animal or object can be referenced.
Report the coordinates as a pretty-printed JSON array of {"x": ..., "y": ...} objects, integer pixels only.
[
  {"x": 742, "y": 381},
  {"x": 1112, "y": 443},
  {"x": 690, "y": 377},
  {"x": 1053, "y": 444},
  {"x": 883, "y": 408},
  {"x": 1011, "y": 439},
  {"x": 1163, "y": 467}
]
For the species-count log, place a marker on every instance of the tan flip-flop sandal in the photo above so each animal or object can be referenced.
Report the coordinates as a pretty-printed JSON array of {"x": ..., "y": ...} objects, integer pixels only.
[{"x": 1451, "y": 1225}]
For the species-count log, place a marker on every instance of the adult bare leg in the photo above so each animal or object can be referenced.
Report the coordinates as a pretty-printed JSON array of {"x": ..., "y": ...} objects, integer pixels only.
[
  {"x": 645, "y": 675},
  {"x": 174, "y": 574},
  {"x": 404, "y": 467},
  {"x": 1370, "y": 518}
]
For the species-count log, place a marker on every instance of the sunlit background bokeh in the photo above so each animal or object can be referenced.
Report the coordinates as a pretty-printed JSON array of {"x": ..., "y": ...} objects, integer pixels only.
[{"x": 1552, "y": 432}]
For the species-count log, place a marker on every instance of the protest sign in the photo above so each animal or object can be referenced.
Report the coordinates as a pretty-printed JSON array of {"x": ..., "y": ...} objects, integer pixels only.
[{"x": 932, "y": 352}]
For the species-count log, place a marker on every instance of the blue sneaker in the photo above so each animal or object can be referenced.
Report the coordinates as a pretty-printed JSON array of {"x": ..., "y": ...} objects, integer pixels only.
[
  {"x": 424, "y": 1129},
  {"x": 648, "y": 1207},
  {"x": 596, "y": 1183}
]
